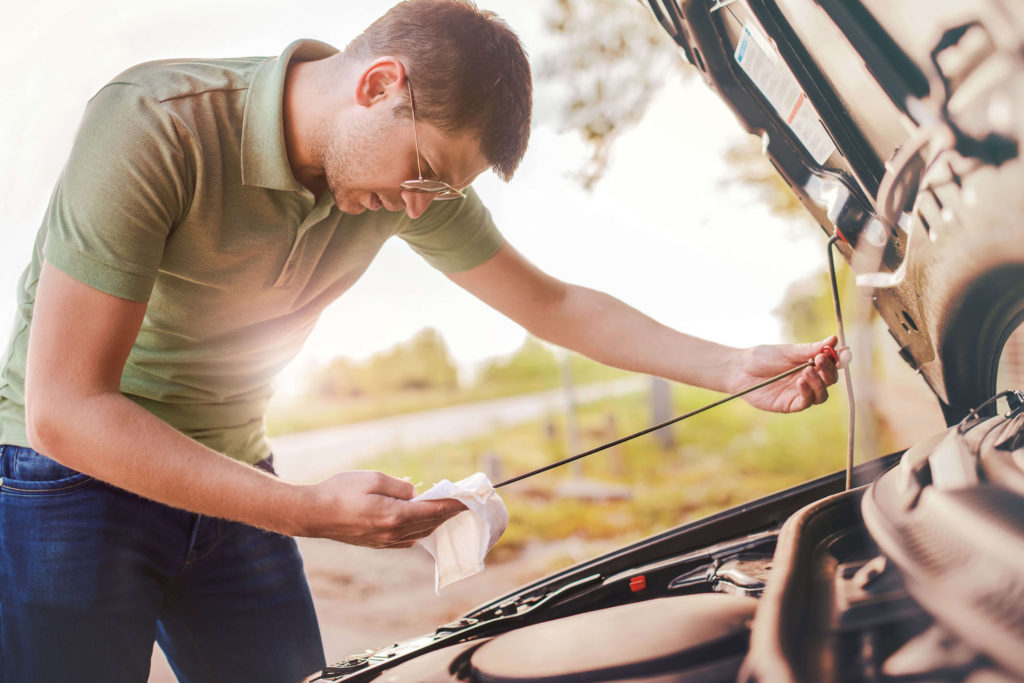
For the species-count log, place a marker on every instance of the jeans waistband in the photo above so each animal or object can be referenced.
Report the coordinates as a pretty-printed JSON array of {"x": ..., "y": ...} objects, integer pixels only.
[{"x": 23, "y": 462}]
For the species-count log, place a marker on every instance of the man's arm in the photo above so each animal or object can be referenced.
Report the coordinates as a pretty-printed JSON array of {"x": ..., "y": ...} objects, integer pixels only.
[
  {"x": 75, "y": 413},
  {"x": 607, "y": 330}
]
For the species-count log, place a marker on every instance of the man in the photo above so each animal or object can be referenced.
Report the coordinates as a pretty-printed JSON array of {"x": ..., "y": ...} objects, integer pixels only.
[{"x": 208, "y": 211}]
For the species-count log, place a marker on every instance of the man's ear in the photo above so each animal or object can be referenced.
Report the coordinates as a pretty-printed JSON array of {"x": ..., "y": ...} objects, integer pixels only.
[{"x": 379, "y": 81}]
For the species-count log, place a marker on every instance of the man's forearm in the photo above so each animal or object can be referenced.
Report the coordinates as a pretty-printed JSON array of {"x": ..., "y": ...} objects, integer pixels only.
[
  {"x": 115, "y": 440},
  {"x": 611, "y": 332}
]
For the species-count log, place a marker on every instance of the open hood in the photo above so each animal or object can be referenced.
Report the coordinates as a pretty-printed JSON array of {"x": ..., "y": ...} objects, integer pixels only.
[{"x": 898, "y": 126}]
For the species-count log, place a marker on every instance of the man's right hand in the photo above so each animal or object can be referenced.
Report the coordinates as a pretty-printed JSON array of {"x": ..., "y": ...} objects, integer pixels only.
[{"x": 373, "y": 509}]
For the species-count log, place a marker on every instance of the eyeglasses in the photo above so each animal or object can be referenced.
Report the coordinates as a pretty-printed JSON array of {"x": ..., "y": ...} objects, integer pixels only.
[{"x": 440, "y": 189}]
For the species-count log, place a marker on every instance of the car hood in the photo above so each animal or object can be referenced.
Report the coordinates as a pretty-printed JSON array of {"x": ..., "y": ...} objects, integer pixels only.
[{"x": 899, "y": 132}]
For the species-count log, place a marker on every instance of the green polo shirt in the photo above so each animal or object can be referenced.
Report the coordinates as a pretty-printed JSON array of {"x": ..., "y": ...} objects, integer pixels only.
[{"x": 178, "y": 192}]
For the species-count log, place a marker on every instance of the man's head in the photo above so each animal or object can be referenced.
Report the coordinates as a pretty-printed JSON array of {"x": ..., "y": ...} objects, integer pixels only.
[{"x": 468, "y": 72}]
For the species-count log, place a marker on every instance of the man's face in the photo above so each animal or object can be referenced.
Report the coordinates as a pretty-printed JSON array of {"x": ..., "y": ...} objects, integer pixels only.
[{"x": 368, "y": 156}]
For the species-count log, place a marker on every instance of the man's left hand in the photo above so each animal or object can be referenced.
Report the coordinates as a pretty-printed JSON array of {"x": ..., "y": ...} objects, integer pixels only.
[{"x": 796, "y": 392}]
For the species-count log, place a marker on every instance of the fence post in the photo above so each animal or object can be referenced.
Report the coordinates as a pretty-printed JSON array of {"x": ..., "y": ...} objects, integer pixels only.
[{"x": 661, "y": 410}]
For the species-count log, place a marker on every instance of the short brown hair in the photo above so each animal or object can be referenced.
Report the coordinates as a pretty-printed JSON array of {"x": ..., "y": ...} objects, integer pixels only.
[{"x": 467, "y": 69}]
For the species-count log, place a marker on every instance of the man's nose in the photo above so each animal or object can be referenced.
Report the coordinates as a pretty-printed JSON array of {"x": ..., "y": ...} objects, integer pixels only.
[{"x": 416, "y": 202}]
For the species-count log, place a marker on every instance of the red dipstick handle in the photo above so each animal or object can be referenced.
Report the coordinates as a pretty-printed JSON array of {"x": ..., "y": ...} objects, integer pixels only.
[{"x": 830, "y": 353}]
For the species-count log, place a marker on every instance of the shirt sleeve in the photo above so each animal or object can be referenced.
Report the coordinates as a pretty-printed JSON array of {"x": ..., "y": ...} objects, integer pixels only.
[
  {"x": 122, "y": 190},
  {"x": 453, "y": 236}
]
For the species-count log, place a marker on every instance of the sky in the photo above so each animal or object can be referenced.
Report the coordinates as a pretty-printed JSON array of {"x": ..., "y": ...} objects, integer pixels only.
[{"x": 664, "y": 230}]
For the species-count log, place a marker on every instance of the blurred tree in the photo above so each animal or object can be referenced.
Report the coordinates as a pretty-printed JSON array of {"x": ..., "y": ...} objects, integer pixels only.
[
  {"x": 585, "y": 370},
  {"x": 613, "y": 60},
  {"x": 535, "y": 365},
  {"x": 340, "y": 379},
  {"x": 751, "y": 167},
  {"x": 532, "y": 361},
  {"x": 806, "y": 310},
  {"x": 421, "y": 363}
]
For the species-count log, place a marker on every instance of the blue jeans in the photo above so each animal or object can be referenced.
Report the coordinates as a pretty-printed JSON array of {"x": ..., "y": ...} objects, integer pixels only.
[{"x": 91, "y": 575}]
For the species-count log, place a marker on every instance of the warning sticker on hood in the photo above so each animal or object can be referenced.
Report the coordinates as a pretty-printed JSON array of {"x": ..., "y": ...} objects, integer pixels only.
[{"x": 758, "y": 58}]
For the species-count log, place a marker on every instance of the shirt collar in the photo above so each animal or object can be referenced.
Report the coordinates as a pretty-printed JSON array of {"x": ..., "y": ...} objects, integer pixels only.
[{"x": 264, "y": 155}]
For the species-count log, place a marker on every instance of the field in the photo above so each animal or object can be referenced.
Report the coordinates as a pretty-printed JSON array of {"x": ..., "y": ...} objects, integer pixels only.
[{"x": 715, "y": 460}]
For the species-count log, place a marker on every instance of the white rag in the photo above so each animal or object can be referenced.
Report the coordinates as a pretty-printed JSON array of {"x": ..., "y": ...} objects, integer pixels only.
[{"x": 460, "y": 544}]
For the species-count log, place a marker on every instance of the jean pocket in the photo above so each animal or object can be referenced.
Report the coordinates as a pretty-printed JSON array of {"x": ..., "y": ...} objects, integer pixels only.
[{"x": 24, "y": 471}]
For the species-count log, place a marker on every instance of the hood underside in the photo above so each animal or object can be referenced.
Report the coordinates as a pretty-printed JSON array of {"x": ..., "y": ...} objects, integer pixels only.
[{"x": 898, "y": 129}]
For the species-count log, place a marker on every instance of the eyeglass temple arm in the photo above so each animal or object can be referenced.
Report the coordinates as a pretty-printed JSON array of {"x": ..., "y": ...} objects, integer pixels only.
[{"x": 415, "y": 135}]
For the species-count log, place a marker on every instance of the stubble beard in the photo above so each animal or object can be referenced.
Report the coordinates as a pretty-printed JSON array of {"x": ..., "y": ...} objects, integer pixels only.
[{"x": 347, "y": 151}]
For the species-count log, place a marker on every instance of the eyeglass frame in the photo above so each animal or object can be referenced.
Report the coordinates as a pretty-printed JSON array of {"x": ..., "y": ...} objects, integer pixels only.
[{"x": 441, "y": 190}]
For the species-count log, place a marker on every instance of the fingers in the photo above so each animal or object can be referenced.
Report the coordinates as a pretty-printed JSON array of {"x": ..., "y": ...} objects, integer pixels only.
[
  {"x": 827, "y": 362},
  {"x": 807, "y": 387},
  {"x": 384, "y": 485},
  {"x": 826, "y": 369},
  {"x": 843, "y": 353},
  {"x": 375, "y": 510},
  {"x": 451, "y": 506},
  {"x": 438, "y": 511},
  {"x": 421, "y": 518},
  {"x": 796, "y": 353},
  {"x": 812, "y": 384}
]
